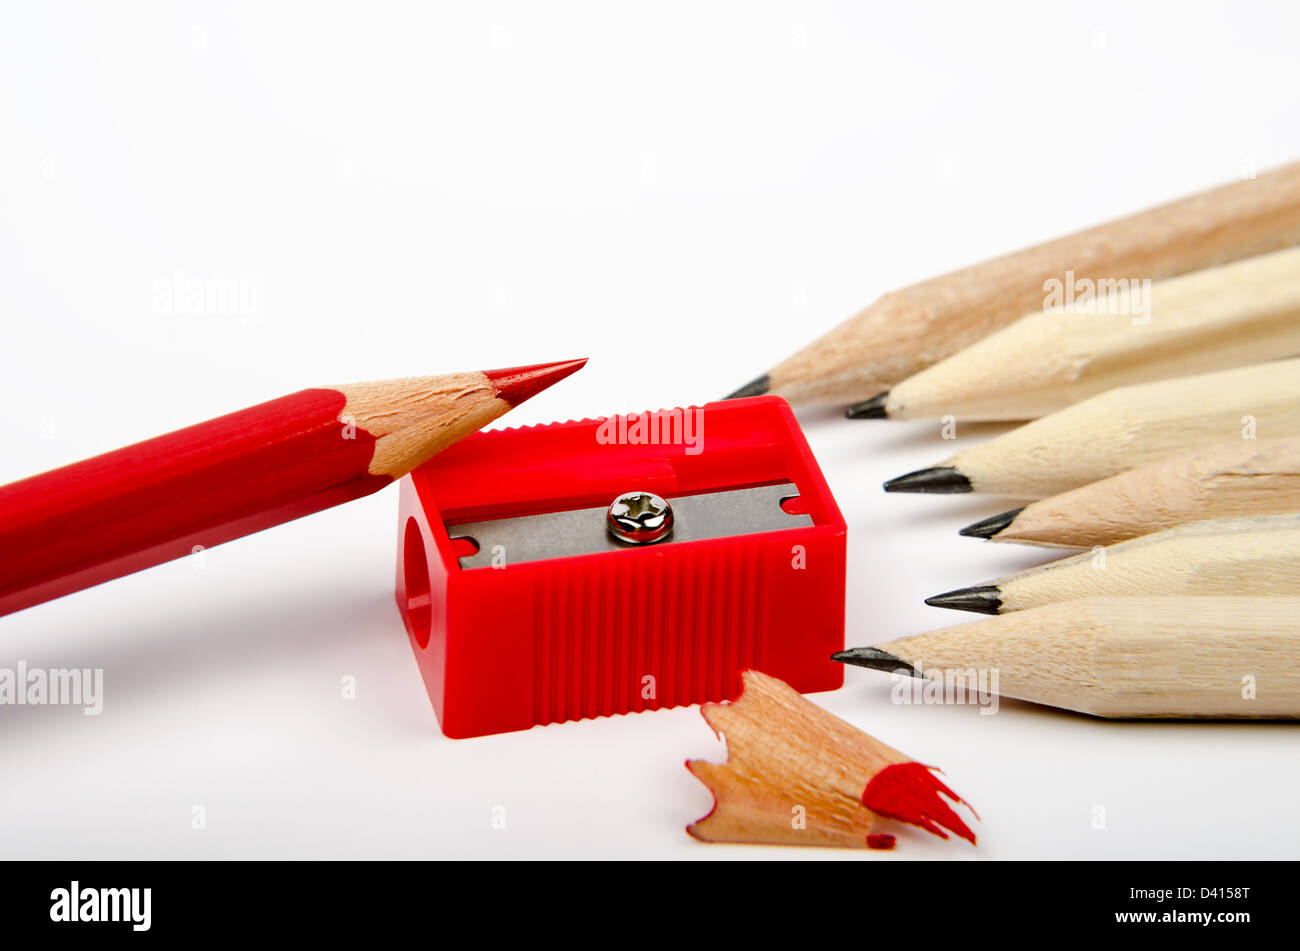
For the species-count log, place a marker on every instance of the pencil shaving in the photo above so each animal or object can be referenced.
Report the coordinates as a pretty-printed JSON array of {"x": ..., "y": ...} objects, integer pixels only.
[{"x": 797, "y": 775}]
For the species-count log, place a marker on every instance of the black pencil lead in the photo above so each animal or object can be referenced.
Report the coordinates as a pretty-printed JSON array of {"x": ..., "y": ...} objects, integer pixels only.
[
  {"x": 988, "y": 527},
  {"x": 755, "y": 387},
  {"x": 983, "y": 599},
  {"x": 875, "y": 659},
  {"x": 873, "y": 408},
  {"x": 940, "y": 479}
]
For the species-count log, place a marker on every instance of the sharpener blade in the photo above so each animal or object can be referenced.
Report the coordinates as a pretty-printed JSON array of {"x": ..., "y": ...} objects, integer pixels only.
[{"x": 725, "y": 514}]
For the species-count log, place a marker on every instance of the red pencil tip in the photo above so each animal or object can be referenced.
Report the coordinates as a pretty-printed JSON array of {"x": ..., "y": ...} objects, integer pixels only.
[
  {"x": 910, "y": 792},
  {"x": 516, "y": 384}
]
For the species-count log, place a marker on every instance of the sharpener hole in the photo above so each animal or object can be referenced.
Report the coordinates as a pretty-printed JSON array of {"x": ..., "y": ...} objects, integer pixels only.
[{"x": 415, "y": 573}]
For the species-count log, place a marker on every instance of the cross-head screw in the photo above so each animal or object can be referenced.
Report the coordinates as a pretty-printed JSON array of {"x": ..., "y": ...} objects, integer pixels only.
[{"x": 639, "y": 518}]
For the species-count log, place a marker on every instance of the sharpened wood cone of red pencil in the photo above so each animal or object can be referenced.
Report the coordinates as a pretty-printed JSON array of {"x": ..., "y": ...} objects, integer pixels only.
[
  {"x": 173, "y": 495},
  {"x": 798, "y": 775}
]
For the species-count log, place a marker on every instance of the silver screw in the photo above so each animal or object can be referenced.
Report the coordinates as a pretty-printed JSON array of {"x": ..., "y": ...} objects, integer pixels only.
[{"x": 640, "y": 518}]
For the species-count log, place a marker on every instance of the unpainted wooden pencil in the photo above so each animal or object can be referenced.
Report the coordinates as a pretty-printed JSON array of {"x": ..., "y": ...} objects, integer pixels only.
[
  {"x": 1237, "y": 478},
  {"x": 1223, "y": 317},
  {"x": 1164, "y": 657},
  {"x": 1230, "y": 556},
  {"x": 907, "y": 330},
  {"x": 1120, "y": 430}
]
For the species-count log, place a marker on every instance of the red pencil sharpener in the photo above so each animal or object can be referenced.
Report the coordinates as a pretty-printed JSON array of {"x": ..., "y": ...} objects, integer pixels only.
[{"x": 613, "y": 565}]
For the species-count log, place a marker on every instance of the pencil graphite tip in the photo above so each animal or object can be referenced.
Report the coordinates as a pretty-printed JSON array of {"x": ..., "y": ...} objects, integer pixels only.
[
  {"x": 875, "y": 659},
  {"x": 873, "y": 408},
  {"x": 939, "y": 479},
  {"x": 988, "y": 527},
  {"x": 983, "y": 599},
  {"x": 516, "y": 384},
  {"x": 755, "y": 387}
]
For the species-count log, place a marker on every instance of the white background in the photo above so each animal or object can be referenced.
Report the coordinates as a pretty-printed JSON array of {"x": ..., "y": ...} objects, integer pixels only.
[{"x": 683, "y": 192}]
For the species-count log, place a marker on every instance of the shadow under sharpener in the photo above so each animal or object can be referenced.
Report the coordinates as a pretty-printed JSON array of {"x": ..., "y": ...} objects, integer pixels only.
[{"x": 509, "y": 644}]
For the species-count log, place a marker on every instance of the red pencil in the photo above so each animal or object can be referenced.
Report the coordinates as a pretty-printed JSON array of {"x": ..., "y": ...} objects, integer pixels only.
[{"x": 92, "y": 521}]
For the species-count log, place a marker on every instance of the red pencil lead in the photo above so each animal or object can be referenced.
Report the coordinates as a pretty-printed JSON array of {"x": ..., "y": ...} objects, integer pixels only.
[
  {"x": 516, "y": 384},
  {"x": 910, "y": 792}
]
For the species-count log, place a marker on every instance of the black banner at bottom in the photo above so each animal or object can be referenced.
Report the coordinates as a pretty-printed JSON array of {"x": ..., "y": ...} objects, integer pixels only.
[{"x": 328, "y": 901}]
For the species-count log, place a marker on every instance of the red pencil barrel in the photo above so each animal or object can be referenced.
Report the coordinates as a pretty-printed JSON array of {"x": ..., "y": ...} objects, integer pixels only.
[{"x": 160, "y": 499}]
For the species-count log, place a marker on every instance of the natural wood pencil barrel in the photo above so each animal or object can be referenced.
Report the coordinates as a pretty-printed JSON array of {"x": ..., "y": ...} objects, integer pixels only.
[
  {"x": 1239, "y": 313},
  {"x": 1132, "y": 657},
  {"x": 909, "y": 329},
  {"x": 1240, "y": 477},
  {"x": 1132, "y": 426}
]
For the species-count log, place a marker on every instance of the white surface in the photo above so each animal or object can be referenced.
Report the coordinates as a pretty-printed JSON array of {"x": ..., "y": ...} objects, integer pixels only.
[{"x": 404, "y": 190}]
